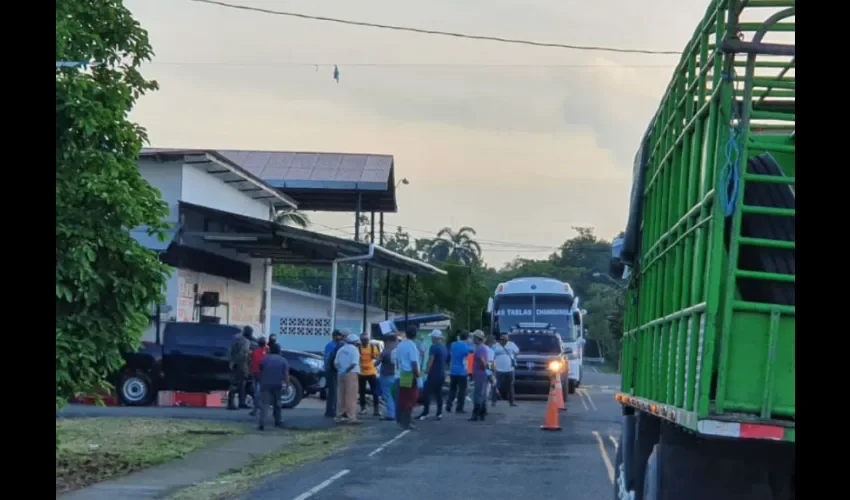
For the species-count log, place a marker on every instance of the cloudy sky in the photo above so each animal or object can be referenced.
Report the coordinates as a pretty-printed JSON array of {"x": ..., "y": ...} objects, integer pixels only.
[{"x": 521, "y": 143}]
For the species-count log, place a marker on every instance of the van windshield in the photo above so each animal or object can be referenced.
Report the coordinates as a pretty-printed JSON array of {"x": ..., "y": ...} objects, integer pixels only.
[{"x": 536, "y": 344}]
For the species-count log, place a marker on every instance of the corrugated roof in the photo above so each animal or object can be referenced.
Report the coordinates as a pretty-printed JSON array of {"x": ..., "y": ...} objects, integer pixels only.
[
  {"x": 315, "y": 170},
  {"x": 316, "y": 181}
]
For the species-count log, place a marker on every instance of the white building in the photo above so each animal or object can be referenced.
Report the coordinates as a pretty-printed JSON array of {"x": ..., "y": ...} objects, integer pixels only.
[
  {"x": 224, "y": 240},
  {"x": 189, "y": 177},
  {"x": 302, "y": 319}
]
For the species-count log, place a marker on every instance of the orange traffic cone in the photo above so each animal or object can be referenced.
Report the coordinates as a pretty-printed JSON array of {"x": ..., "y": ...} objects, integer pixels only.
[
  {"x": 551, "y": 422},
  {"x": 560, "y": 394}
]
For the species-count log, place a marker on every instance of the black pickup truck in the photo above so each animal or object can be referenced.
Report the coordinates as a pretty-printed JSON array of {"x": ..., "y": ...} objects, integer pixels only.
[{"x": 195, "y": 357}]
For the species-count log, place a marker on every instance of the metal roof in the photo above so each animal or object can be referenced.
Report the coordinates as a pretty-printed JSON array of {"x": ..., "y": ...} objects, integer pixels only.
[
  {"x": 288, "y": 245},
  {"x": 330, "y": 182},
  {"x": 225, "y": 170}
]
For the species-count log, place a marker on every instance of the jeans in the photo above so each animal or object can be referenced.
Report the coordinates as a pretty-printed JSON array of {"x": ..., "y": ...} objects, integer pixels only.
[
  {"x": 506, "y": 385},
  {"x": 479, "y": 391},
  {"x": 433, "y": 388},
  {"x": 257, "y": 393},
  {"x": 387, "y": 383},
  {"x": 330, "y": 400},
  {"x": 270, "y": 396},
  {"x": 457, "y": 388},
  {"x": 372, "y": 381}
]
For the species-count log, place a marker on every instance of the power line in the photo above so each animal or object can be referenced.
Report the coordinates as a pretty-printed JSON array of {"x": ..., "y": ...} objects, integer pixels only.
[
  {"x": 423, "y": 31},
  {"x": 400, "y": 65}
]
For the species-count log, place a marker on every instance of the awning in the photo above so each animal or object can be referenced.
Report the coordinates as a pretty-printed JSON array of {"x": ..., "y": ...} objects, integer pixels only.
[
  {"x": 264, "y": 239},
  {"x": 151, "y": 241}
]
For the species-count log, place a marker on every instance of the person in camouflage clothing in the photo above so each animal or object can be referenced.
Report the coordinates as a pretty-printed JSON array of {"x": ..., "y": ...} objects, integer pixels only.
[{"x": 240, "y": 364}]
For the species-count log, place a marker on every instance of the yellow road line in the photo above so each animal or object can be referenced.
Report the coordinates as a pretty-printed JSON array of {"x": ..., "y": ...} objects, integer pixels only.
[
  {"x": 605, "y": 457},
  {"x": 614, "y": 440},
  {"x": 587, "y": 395}
]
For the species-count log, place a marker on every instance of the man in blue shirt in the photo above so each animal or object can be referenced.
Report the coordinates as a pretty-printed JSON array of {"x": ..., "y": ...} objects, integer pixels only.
[
  {"x": 330, "y": 373},
  {"x": 436, "y": 375},
  {"x": 274, "y": 373},
  {"x": 458, "y": 374}
]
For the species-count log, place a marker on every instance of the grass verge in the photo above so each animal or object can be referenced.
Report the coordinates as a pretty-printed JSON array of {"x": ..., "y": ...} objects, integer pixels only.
[
  {"x": 305, "y": 447},
  {"x": 91, "y": 450},
  {"x": 607, "y": 368}
]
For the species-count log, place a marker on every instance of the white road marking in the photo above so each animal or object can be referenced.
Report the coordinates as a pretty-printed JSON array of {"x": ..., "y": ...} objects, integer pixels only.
[
  {"x": 391, "y": 441},
  {"x": 587, "y": 395},
  {"x": 614, "y": 440},
  {"x": 605, "y": 457},
  {"x": 581, "y": 398},
  {"x": 319, "y": 487}
]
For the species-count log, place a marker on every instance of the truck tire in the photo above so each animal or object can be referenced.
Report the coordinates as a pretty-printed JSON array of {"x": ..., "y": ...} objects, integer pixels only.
[
  {"x": 772, "y": 227},
  {"x": 652, "y": 476},
  {"x": 292, "y": 395},
  {"x": 136, "y": 389},
  {"x": 619, "y": 490},
  {"x": 571, "y": 386}
]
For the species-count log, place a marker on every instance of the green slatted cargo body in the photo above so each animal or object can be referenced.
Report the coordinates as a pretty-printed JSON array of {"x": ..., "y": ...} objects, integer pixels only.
[{"x": 708, "y": 353}]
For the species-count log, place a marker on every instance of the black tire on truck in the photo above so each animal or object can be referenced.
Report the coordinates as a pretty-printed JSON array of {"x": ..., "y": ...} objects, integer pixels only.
[
  {"x": 571, "y": 386},
  {"x": 686, "y": 466},
  {"x": 292, "y": 395},
  {"x": 618, "y": 462},
  {"x": 136, "y": 389}
]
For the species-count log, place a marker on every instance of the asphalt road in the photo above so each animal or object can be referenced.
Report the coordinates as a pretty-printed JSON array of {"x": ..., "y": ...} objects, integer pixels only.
[{"x": 508, "y": 456}]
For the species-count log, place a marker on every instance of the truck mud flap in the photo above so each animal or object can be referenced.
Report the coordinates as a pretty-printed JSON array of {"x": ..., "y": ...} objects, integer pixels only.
[{"x": 770, "y": 227}]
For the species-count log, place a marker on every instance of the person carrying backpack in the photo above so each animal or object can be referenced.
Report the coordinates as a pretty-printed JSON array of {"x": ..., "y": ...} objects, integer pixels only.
[{"x": 369, "y": 353}]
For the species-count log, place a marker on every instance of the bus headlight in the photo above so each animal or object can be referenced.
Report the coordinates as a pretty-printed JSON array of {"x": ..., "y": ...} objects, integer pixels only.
[{"x": 556, "y": 366}]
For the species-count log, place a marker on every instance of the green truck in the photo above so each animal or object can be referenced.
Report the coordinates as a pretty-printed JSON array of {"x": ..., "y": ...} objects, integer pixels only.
[{"x": 708, "y": 349}]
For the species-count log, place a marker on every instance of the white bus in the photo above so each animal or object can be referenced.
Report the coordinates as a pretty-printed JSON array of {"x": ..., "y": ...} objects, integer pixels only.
[{"x": 541, "y": 301}]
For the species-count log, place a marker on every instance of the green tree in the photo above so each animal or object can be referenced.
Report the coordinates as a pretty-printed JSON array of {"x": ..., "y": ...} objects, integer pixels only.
[
  {"x": 293, "y": 218},
  {"x": 455, "y": 247},
  {"x": 105, "y": 282}
]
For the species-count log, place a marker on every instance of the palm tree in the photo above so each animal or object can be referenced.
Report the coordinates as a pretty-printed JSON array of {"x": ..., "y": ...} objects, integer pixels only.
[
  {"x": 450, "y": 246},
  {"x": 292, "y": 218}
]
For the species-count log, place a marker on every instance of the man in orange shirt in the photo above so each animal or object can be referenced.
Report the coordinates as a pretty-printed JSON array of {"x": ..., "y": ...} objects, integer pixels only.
[{"x": 369, "y": 353}]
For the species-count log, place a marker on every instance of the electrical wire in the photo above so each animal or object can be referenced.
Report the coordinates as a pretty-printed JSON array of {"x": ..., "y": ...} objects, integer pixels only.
[
  {"x": 423, "y": 31},
  {"x": 282, "y": 64}
]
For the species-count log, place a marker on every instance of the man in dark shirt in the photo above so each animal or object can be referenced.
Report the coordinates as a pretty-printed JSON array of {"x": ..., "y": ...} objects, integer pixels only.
[
  {"x": 274, "y": 372},
  {"x": 331, "y": 373},
  {"x": 436, "y": 376}
]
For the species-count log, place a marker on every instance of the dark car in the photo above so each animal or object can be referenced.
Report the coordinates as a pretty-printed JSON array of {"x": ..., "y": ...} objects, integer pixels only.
[
  {"x": 540, "y": 351},
  {"x": 195, "y": 357}
]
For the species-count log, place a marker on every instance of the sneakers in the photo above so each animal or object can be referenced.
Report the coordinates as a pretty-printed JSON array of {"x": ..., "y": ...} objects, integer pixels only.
[
  {"x": 438, "y": 418},
  {"x": 423, "y": 416}
]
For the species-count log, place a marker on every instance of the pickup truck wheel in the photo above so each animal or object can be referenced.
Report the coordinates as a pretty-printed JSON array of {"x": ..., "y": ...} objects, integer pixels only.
[
  {"x": 136, "y": 389},
  {"x": 571, "y": 386},
  {"x": 292, "y": 394}
]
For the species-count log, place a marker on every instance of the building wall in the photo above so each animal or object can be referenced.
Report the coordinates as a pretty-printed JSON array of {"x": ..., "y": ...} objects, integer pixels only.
[
  {"x": 200, "y": 188},
  {"x": 302, "y": 321},
  {"x": 178, "y": 182}
]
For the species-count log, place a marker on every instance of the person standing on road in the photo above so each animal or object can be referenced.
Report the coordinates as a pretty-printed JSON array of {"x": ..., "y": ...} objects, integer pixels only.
[
  {"x": 272, "y": 339},
  {"x": 240, "y": 367},
  {"x": 504, "y": 363},
  {"x": 435, "y": 375},
  {"x": 480, "y": 378},
  {"x": 337, "y": 340},
  {"x": 347, "y": 364},
  {"x": 387, "y": 373},
  {"x": 369, "y": 353},
  {"x": 458, "y": 372},
  {"x": 274, "y": 373},
  {"x": 491, "y": 365},
  {"x": 257, "y": 356},
  {"x": 407, "y": 358}
]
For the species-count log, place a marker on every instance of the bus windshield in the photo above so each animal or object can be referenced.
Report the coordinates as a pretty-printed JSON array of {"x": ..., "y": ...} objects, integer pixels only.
[{"x": 553, "y": 309}]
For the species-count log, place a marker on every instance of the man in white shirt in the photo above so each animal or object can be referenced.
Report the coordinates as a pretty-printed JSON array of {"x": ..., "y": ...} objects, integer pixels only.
[
  {"x": 347, "y": 363},
  {"x": 505, "y": 362},
  {"x": 408, "y": 367}
]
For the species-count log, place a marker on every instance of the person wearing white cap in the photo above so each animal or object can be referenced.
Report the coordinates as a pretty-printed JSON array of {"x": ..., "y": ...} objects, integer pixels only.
[
  {"x": 435, "y": 375},
  {"x": 347, "y": 363}
]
